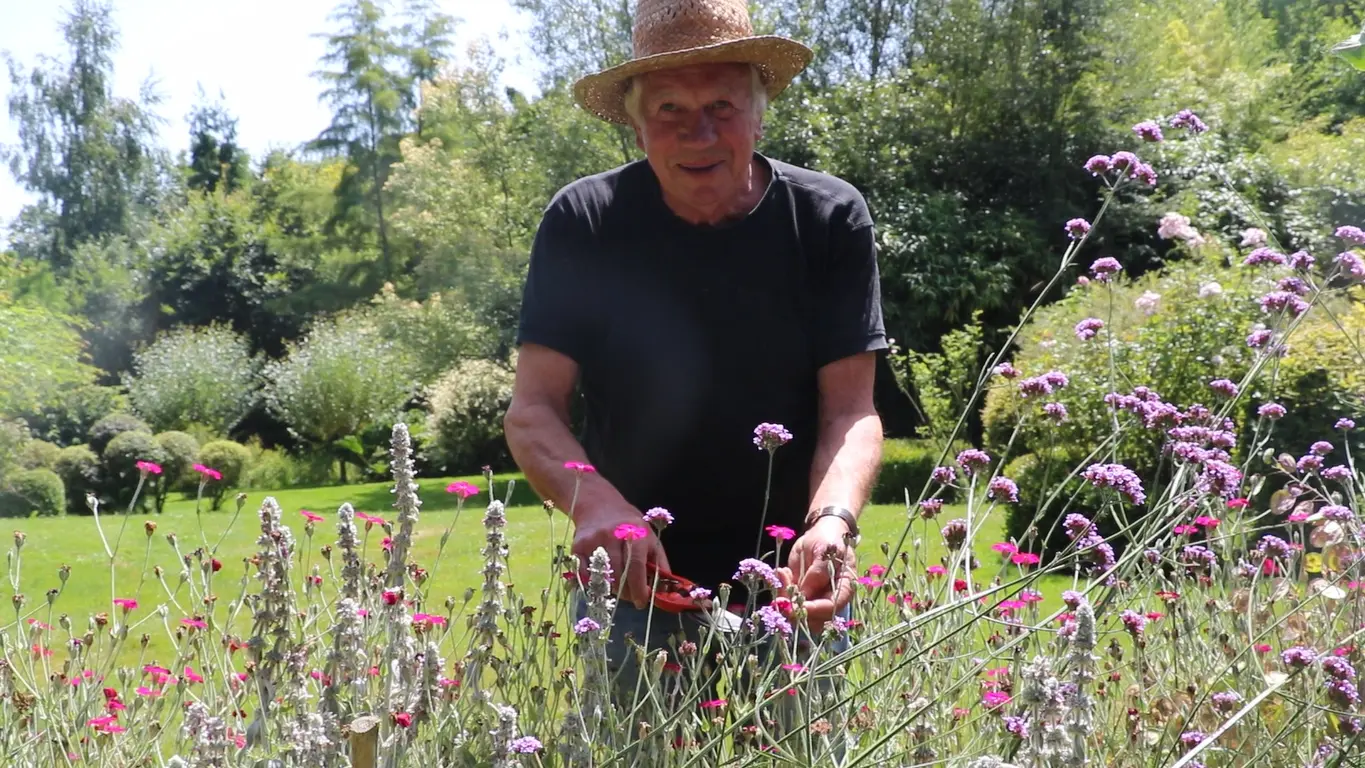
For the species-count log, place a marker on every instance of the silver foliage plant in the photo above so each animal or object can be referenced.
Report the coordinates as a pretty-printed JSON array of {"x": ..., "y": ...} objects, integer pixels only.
[{"x": 1217, "y": 631}]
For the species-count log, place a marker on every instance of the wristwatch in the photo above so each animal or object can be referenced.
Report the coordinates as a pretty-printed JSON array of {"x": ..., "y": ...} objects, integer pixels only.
[{"x": 850, "y": 519}]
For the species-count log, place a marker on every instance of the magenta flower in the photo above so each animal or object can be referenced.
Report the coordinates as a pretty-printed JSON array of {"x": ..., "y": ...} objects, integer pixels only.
[
  {"x": 770, "y": 437},
  {"x": 126, "y": 603},
  {"x": 195, "y": 623},
  {"x": 209, "y": 473},
  {"x": 699, "y": 593},
  {"x": 1341, "y": 474},
  {"x": 1351, "y": 234},
  {"x": 579, "y": 467},
  {"x": 428, "y": 619},
  {"x": 1145, "y": 173},
  {"x": 1024, "y": 558},
  {"x": 630, "y": 532},
  {"x": 1034, "y": 386},
  {"x": 1104, "y": 268},
  {"x": 1005, "y": 547},
  {"x": 995, "y": 699},
  {"x": 781, "y": 532},
  {"x": 462, "y": 489},
  {"x": 1148, "y": 130},
  {"x": 1189, "y": 121},
  {"x": 1077, "y": 228},
  {"x": 311, "y": 517},
  {"x": 1087, "y": 328},
  {"x": 149, "y": 468}
]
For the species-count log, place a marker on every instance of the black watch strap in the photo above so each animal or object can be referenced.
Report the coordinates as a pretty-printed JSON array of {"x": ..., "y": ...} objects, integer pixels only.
[{"x": 847, "y": 516}]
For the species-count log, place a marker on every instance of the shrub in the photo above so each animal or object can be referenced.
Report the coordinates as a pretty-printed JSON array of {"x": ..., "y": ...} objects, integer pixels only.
[
  {"x": 180, "y": 451},
  {"x": 339, "y": 381},
  {"x": 109, "y": 427},
  {"x": 231, "y": 460},
  {"x": 467, "y": 405},
  {"x": 120, "y": 459},
  {"x": 13, "y": 437},
  {"x": 66, "y": 418},
  {"x": 33, "y": 491},
  {"x": 203, "y": 375},
  {"x": 906, "y": 466},
  {"x": 39, "y": 454},
  {"x": 79, "y": 469}
]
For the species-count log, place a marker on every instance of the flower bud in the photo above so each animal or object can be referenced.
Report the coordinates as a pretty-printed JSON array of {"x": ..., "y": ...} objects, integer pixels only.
[
  {"x": 64, "y": 573},
  {"x": 19, "y": 537},
  {"x": 149, "y": 526}
]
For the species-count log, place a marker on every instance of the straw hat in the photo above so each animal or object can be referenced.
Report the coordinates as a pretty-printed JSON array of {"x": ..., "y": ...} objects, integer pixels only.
[{"x": 679, "y": 33}]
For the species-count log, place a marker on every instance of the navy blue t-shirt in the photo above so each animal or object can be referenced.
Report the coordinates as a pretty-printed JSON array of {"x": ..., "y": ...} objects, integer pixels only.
[{"x": 688, "y": 337}]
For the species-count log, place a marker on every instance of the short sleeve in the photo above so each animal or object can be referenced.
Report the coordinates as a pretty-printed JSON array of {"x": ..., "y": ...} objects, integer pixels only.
[
  {"x": 848, "y": 297},
  {"x": 556, "y": 302}
]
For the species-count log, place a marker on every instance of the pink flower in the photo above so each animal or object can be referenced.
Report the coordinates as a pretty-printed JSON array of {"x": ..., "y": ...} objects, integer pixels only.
[
  {"x": 630, "y": 532},
  {"x": 429, "y": 619},
  {"x": 794, "y": 667},
  {"x": 143, "y": 690},
  {"x": 781, "y": 532},
  {"x": 392, "y": 596},
  {"x": 713, "y": 704},
  {"x": 209, "y": 473},
  {"x": 196, "y": 623},
  {"x": 462, "y": 489},
  {"x": 579, "y": 466},
  {"x": 869, "y": 582},
  {"x": 935, "y": 571},
  {"x": 1030, "y": 596},
  {"x": 402, "y": 719},
  {"x": 40, "y": 625},
  {"x": 387, "y": 544},
  {"x": 370, "y": 519},
  {"x": 1206, "y": 521},
  {"x": 1237, "y": 503},
  {"x": 149, "y": 468},
  {"x": 192, "y": 676},
  {"x": 1005, "y": 548},
  {"x": 311, "y": 517},
  {"x": 994, "y": 699},
  {"x": 876, "y": 570},
  {"x": 1024, "y": 558},
  {"x": 126, "y": 603}
]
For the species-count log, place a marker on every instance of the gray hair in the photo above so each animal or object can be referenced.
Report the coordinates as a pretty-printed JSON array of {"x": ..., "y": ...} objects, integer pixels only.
[{"x": 758, "y": 95}]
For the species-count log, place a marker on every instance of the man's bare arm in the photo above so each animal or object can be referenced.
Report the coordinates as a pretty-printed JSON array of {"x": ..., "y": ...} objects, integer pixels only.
[{"x": 848, "y": 451}]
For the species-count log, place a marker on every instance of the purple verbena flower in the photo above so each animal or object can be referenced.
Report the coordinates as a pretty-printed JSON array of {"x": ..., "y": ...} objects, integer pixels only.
[
  {"x": 586, "y": 625},
  {"x": 1145, "y": 173},
  {"x": 1309, "y": 463},
  {"x": 1274, "y": 546},
  {"x": 1299, "y": 657},
  {"x": 1351, "y": 263},
  {"x": 955, "y": 533},
  {"x": 1055, "y": 411},
  {"x": 1336, "y": 666},
  {"x": 1016, "y": 726},
  {"x": 1264, "y": 255},
  {"x": 526, "y": 745},
  {"x": 1224, "y": 387},
  {"x": 1279, "y": 301},
  {"x": 1087, "y": 328},
  {"x": 1260, "y": 338},
  {"x": 1226, "y": 701},
  {"x": 1188, "y": 120},
  {"x": 1034, "y": 386},
  {"x": 1336, "y": 512},
  {"x": 1104, "y": 268},
  {"x": 1272, "y": 411},
  {"x": 1192, "y": 739},
  {"x": 1072, "y": 598},
  {"x": 1340, "y": 473},
  {"x": 757, "y": 570},
  {"x": 1321, "y": 448},
  {"x": 1056, "y": 379},
  {"x": 1124, "y": 161},
  {"x": 659, "y": 515},
  {"x": 1294, "y": 285},
  {"x": 1077, "y": 525},
  {"x": 1098, "y": 164},
  {"x": 773, "y": 621},
  {"x": 1118, "y": 477},
  {"x": 1133, "y": 621},
  {"x": 1343, "y": 693},
  {"x": 972, "y": 460},
  {"x": 1219, "y": 478},
  {"x": 770, "y": 437},
  {"x": 1003, "y": 489},
  {"x": 1301, "y": 261},
  {"x": 1005, "y": 370},
  {"x": 1351, "y": 234},
  {"x": 1077, "y": 228},
  {"x": 1345, "y": 425},
  {"x": 929, "y": 508},
  {"x": 944, "y": 475},
  {"x": 1148, "y": 130}
]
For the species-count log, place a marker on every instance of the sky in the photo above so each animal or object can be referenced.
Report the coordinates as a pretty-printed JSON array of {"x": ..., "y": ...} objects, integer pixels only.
[{"x": 268, "y": 51}]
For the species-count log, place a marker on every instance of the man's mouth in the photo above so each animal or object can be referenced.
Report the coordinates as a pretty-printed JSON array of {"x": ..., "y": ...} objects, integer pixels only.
[{"x": 699, "y": 168}]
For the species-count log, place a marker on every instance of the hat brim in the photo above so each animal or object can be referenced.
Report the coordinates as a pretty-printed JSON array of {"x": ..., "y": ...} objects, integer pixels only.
[{"x": 778, "y": 59}]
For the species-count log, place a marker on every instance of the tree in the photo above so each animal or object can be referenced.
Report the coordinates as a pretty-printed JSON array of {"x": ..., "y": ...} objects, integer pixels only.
[
  {"x": 43, "y": 355},
  {"x": 427, "y": 41},
  {"x": 367, "y": 90},
  {"x": 88, "y": 155},
  {"x": 216, "y": 160}
]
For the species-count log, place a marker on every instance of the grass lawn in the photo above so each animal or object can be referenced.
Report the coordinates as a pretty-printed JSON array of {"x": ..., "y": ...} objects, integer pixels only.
[{"x": 74, "y": 541}]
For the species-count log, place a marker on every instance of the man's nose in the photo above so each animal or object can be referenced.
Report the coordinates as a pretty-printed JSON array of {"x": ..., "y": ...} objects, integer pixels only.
[{"x": 700, "y": 130}]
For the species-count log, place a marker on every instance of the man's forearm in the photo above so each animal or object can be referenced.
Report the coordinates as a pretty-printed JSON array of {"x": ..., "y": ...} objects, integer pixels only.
[
  {"x": 847, "y": 458},
  {"x": 540, "y": 443}
]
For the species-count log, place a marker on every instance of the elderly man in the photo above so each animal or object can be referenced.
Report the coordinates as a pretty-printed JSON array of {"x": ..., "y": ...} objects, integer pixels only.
[{"x": 693, "y": 296}]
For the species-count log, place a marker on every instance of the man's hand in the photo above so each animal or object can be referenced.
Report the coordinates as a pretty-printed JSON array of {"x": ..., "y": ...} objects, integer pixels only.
[
  {"x": 597, "y": 528},
  {"x": 812, "y": 557}
]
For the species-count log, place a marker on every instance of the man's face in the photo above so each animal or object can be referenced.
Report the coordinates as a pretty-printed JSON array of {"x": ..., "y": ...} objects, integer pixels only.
[{"x": 698, "y": 130}]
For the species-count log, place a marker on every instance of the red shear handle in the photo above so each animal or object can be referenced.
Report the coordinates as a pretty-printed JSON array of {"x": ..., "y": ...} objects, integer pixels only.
[{"x": 671, "y": 593}]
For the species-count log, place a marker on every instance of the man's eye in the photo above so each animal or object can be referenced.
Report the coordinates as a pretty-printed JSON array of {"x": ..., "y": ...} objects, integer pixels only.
[
  {"x": 667, "y": 106},
  {"x": 723, "y": 105}
]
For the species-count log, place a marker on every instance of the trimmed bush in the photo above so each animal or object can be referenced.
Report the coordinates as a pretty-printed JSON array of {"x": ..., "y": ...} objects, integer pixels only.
[
  {"x": 39, "y": 454},
  {"x": 906, "y": 466},
  {"x": 194, "y": 376},
  {"x": 180, "y": 450},
  {"x": 467, "y": 407},
  {"x": 79, "y": 469},
  {"x": 111, "y": 426},
  {"x": 231, "y": 460},
  {"x": 33, "y": 491},
  {"x": 120, "y": 460}
]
